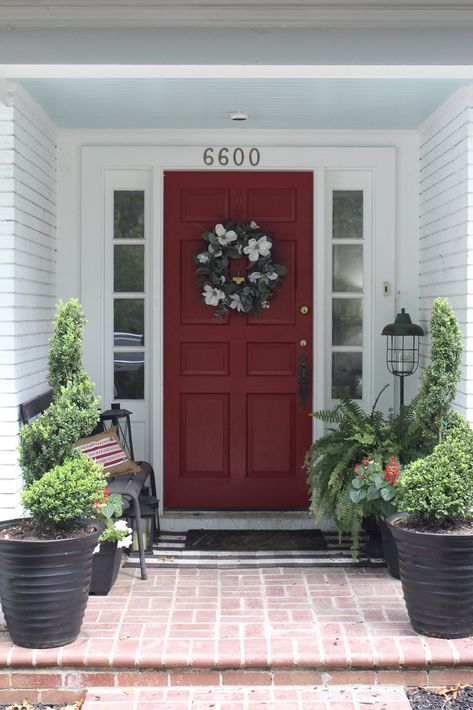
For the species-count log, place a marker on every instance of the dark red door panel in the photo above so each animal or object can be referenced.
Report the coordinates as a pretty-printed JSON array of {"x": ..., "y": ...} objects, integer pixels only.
[{"x": 235, "y": 431}]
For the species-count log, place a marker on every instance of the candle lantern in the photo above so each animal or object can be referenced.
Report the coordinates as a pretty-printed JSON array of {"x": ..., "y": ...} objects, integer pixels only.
[
  {"x": 120, "y": 418},
  {"x": 148, "y": 526},
  {"x": 402, "y": 348}
]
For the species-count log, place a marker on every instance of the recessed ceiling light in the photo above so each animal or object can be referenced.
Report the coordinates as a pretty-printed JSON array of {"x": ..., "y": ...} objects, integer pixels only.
[{"x": 238, "y": 116}]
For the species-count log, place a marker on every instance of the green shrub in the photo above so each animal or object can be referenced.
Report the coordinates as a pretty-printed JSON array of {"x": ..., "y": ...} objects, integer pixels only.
[
  {"x": 73, "y": 414},
  {"x": 67, "y": 493},
  {"x": 439, "y": 487},
  {"x": 441, "y": 377}
]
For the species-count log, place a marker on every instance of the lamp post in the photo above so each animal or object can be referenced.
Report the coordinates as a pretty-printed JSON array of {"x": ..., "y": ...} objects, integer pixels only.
[{"x": 402, "y": 348}]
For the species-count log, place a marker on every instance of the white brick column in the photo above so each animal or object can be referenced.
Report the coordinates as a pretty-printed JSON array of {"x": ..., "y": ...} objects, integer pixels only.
[
  {"x": 446, "y": 223},
  {"x": 27, "y": 269}
]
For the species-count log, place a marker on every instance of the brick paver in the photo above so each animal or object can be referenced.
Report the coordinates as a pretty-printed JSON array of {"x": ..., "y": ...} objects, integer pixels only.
[
  {"x": 249, "y": 698},
  {"x": 267, "y": 628}
]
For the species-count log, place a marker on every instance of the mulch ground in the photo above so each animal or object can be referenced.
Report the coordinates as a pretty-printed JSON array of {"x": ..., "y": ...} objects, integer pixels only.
[{"x": 449, "y": 698}]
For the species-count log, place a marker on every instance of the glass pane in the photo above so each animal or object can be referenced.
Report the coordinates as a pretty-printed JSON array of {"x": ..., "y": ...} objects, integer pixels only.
[
  {"x": 129, "y": 321},
  {"x": 128, "y": 214},
  {"x": 347, "y": 374},
  {"x": 129, "y": 267},
  {"x": 129, "y": 375},
  {"x": 347, "y": 321},
  {"x": 347, "y": 214},
  {"x": 347, "y": 267}
]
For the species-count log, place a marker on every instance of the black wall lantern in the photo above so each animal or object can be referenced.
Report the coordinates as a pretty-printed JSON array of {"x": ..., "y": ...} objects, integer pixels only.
[
  {"x": 402, "y": 348},
  {"x": 121, "y": 419}
]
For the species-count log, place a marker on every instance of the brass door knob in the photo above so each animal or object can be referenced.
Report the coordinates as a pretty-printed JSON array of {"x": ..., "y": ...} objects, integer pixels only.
[
  {"x": 303, "y": 343},
  {"x": 304, "y": 310}
]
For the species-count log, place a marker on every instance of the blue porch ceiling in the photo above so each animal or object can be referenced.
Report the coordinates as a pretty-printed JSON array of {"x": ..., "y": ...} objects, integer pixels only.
[{"x": 186, "y": 103}]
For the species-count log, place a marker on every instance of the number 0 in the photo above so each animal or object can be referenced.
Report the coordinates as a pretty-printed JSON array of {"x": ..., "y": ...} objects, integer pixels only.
[
  {"x": 238, "y": 156},
  {"x": 254, "y": 156}
]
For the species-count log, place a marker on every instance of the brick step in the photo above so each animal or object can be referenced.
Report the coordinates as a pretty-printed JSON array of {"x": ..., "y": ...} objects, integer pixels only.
[
  {"x": 248, "y": 698},
  {"x": 68, "y": 684}
]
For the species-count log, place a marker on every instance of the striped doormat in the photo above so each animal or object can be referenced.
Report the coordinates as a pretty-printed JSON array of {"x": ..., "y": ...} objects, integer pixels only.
[{"x": 170, "y": 551}]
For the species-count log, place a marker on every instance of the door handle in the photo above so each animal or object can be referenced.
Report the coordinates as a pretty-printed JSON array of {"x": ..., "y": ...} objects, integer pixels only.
[{"x": 303, "y": 380}]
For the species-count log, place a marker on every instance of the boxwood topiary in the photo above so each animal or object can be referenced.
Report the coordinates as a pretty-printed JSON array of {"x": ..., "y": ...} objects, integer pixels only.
[{"x": 438, "y": 489}]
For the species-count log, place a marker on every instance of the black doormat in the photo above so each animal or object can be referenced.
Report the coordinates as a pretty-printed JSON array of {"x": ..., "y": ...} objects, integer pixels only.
[{"x": 255, "y": 540}]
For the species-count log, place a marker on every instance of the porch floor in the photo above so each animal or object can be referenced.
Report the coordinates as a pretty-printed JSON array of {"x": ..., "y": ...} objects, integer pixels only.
[{"x": 274, "y": 627}]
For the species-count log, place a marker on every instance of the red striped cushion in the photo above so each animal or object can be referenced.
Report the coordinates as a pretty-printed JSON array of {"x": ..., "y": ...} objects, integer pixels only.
[{"x": 105, "y": 449}]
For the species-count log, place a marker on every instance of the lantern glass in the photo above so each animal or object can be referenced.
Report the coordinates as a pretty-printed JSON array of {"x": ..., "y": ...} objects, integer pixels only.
[
  {"x": 148, "y": 527},
  {"x": 120, "y": 418}
]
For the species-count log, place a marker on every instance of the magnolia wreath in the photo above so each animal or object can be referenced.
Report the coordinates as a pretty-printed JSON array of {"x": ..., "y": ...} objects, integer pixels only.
[{"x": 242, "y": 293}]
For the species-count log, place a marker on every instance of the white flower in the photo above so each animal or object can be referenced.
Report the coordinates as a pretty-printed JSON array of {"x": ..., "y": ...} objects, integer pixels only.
[
  {"x": 253, "y": 225},
  {"x": 236, "y": 303},
  {"x": 96, "y": 549},
  {"x": 272, "y": 276},
  {"x": 227, "y": 237},
  {"x": 125, "y": 541},
  {"x": 122, "y": 525},
  {"x": 212, "y": 296},
  {"x": 257, "y": 248},
  {"x": 254, "y": 276},
  {"x": 219, "y": 230},
  {"x": 265, "y": 304},
  {"x": 202, "y": 258}
]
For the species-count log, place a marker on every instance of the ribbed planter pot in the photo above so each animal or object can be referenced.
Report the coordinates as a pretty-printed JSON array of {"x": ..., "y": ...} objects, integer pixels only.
[
  {"x": 105, "y": 568},
  {"x": 437, "y": 580},
  {"x": 389, "y": 549},
  {"x": 44, "y": 587}
]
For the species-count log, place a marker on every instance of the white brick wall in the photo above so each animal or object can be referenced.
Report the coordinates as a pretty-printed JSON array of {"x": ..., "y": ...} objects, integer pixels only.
[
  {"x": 27, "y": 269},
  {"x": 446, "y": 223}
]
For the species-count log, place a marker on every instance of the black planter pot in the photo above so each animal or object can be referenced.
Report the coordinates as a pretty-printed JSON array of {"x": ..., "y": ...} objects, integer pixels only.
[
  {"x": 389, "y": 549},
  {"x": 437, "y": 580},
  {"x": 44, "y": 587},
  {"x": 373, "y": 546},
  {"x": 105, "y": 568}
]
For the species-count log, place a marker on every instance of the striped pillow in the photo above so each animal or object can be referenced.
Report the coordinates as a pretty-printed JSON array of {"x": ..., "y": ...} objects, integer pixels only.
[{"x": 105, "y": 449}]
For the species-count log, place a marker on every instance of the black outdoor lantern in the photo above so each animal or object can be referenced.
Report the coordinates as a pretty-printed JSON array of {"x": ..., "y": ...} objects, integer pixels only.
[
  {"x": 121, "y": 419},
  {"x": 148, "y": 526},
  {"x": 402, "y": 348}
]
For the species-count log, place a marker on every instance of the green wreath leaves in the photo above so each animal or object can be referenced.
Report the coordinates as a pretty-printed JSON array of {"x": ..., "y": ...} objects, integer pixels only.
[{"x": 246, "y": 293}]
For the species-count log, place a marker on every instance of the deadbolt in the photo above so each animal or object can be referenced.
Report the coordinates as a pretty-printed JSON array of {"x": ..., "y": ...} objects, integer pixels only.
[
  {"x": 304, "y": 310},
  {"x": 303, "y": 343}
]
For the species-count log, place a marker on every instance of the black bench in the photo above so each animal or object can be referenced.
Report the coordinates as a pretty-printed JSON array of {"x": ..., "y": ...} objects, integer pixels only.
[{"x": 129, "y": 485}]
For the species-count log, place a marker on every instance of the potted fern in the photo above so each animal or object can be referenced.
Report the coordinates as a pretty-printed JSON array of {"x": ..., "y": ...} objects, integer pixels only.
[
  {"x": 46, "y": 559},
  {"x": 434, "y": 534}
]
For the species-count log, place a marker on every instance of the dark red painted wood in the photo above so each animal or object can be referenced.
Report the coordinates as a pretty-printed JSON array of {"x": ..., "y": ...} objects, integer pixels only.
[{"x": 235, "y": 433}]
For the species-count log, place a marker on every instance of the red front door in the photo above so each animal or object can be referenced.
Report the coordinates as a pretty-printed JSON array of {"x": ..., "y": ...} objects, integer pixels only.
[{"x": 235, "y": 427}]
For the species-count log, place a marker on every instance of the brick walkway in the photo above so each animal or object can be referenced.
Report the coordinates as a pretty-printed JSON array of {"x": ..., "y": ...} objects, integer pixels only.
[
  {"x": 271, "y": 628},
  {"x": 251, "y": 698}
]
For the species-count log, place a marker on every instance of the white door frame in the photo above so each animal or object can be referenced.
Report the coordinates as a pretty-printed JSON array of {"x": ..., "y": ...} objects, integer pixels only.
[{"x": 97, "y": 160}]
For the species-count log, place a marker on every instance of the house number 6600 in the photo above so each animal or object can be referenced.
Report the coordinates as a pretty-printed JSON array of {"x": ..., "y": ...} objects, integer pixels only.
[{"x": 227, "y": 156}]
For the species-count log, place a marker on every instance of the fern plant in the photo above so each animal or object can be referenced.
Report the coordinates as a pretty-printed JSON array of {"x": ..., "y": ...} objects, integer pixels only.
[{"x": 352, "y": 436}]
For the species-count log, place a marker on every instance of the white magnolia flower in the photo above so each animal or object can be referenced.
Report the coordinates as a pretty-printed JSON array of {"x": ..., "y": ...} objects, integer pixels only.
[
  {"x": 202, "y": 258},
  {"x": 236, "y": 303},
  {"x": 257, "y": 248},
  {"x": 214, "y": 251},
  {"x": 253, "y": 225},
  {"x": 227, "y": 237},
  {"x": 212, "y": 296},
  {"x": 125, "y": 541},
  {"x": 254, "y": 276},
  {"x": 219, "y": 230}
]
